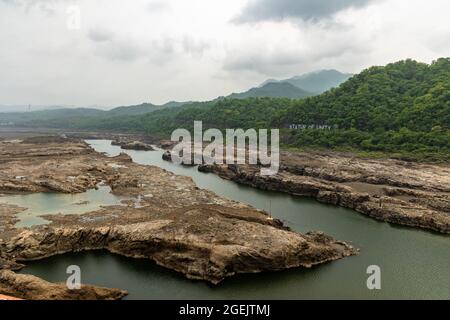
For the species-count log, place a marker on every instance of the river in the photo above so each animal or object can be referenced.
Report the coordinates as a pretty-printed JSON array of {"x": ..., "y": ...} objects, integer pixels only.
[{"x": 414, "y": 264}]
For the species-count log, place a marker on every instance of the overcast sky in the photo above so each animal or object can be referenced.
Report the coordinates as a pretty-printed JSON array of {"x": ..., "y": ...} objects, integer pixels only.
[{"x": 127, "y": 52}]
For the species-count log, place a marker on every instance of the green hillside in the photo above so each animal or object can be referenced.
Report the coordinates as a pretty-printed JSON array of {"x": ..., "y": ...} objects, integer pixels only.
[
  {"x": 141, "y": 109},
  {"x": 401, "y": 109},
  {"x": 273, "y": 90},
  {"x": 406, "y": 94}
]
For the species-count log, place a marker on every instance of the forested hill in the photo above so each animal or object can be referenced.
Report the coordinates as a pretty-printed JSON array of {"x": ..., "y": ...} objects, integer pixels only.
[
  {"x": 403, "y": 107},
  {"x": 273, "y": 90},
  {"x": 406, "y": 94},
  {"x": 141, "y": 109}
]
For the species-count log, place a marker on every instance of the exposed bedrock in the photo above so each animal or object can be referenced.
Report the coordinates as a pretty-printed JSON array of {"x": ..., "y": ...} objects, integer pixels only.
[
  {"x": 420, "y": 207},
  {"x": 132, "y": 145},
  {"x": 198, "y": 250},
  {"x": 33, "y": 288},
  {"x": 167, "y": 219}
]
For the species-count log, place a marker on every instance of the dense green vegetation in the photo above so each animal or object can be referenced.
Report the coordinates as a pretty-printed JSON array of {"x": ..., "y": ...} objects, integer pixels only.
[
  {"x": 141, "y": 109},
  {"x": 402, "y": 109},
  {"x": 406, "y": 94},
  {"x": 273, "y": 90}
]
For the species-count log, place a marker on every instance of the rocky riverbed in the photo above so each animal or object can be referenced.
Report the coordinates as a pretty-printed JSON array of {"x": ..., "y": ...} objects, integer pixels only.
[
  {"x": 126, "y": 144},
  {"x": 169, "y": 221},
  {"x": 399, "y": 192}
]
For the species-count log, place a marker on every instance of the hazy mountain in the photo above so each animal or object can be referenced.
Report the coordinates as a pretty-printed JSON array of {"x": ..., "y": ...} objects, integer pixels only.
[
  {"x": 172, "y": 104},
  {"x": 28, "y": 108},
  {"x": 134, "y": 110},
  {"x": 45, "y": 115},
  {"x": 143, "y": 108},
  {"x": 317, "y": 81},
  {"x": 267, "y": 82},
  {"x": 35, "y": 116},
  {"x": 273, "y": 90}
]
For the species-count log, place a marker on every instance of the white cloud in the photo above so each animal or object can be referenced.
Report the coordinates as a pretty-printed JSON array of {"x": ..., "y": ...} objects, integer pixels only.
[
  {"x": 261, "y": 10},
  {"x": 128, "y": 52}
]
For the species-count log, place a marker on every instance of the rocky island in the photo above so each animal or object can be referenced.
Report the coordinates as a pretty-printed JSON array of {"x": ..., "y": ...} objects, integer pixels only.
[
  {"x": 132, "y": 145},
  {"x": 169, "y": 221}
]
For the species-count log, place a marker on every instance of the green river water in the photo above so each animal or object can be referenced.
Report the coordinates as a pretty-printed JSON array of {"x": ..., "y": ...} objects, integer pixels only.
[{"x": 414, "y": 264}]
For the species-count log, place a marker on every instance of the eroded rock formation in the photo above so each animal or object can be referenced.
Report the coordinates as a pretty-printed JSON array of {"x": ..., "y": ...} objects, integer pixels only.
[
  {"x": 33, "y": 288},
  {"x": 132, "y": 145},
  {"x": 411, "y": 194},
  {"x": 170, "y": 221}
]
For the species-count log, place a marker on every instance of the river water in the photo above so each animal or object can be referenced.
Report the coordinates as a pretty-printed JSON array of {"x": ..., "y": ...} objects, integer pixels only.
[
  {"x": 414, "y": 264},
  {"x": 38, "y": 204}
]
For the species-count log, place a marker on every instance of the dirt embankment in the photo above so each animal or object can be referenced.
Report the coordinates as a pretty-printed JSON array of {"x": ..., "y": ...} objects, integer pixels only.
[{"x": 170, "y": 221}]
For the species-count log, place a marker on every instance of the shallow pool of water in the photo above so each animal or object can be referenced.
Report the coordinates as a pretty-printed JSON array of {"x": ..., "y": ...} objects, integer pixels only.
[
  {"x": 38, "y": 204},
  {"x": 414, "y": 264}
]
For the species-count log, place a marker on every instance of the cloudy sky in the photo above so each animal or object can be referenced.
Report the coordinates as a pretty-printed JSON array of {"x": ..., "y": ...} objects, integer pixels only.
[{"x": 117, "y": 52}]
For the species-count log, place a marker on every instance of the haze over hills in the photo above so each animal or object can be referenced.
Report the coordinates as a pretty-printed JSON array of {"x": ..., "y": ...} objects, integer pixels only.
[
  {"x": 293, "y": 88},
  {"x": 273, "y": 90},
  {"x": 317, "y": 81},
  {"x": 402, "y": 108},
  {"x": 22, "y": 116},
  {"x": 143, "y": 108},
  {"x": 47, "y": 116},
  {"x": 297, "y": 87},
  {"x": 28, "y": 108}
]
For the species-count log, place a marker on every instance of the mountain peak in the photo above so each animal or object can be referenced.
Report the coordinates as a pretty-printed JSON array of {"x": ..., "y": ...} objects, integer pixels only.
[
  {"x": 316, "y": 81},
  {"x": 273, "y": 90}
]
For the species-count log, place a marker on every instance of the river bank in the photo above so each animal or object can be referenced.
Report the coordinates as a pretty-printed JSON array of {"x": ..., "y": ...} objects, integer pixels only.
[
  {"x": 414, "y": 262},
  {"x": 395, "y": 191},
  {"x": 392, "y": 191},
  {"x": 399, "y": 192},
  {"x": 173, "y": 222}
]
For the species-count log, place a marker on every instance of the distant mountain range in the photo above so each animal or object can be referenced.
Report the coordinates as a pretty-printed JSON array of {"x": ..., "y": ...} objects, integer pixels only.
[
  {"x": 315, "y": 82},
  {"x": 27, "y": 108},
  {"x": 273, "y": 90},
  {"x": 143, "y": 108},
  {"x": 298, "y": 87},
  {"x": 402, "y": 108}
]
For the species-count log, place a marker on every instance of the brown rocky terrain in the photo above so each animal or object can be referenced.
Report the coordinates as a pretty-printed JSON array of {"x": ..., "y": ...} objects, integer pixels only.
[
  {"x": 167, "y": 220},
  {"x": 30, "y": 287},
  {"x": 405, "y": 193},
  {"x": 127, "y": 144}
]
